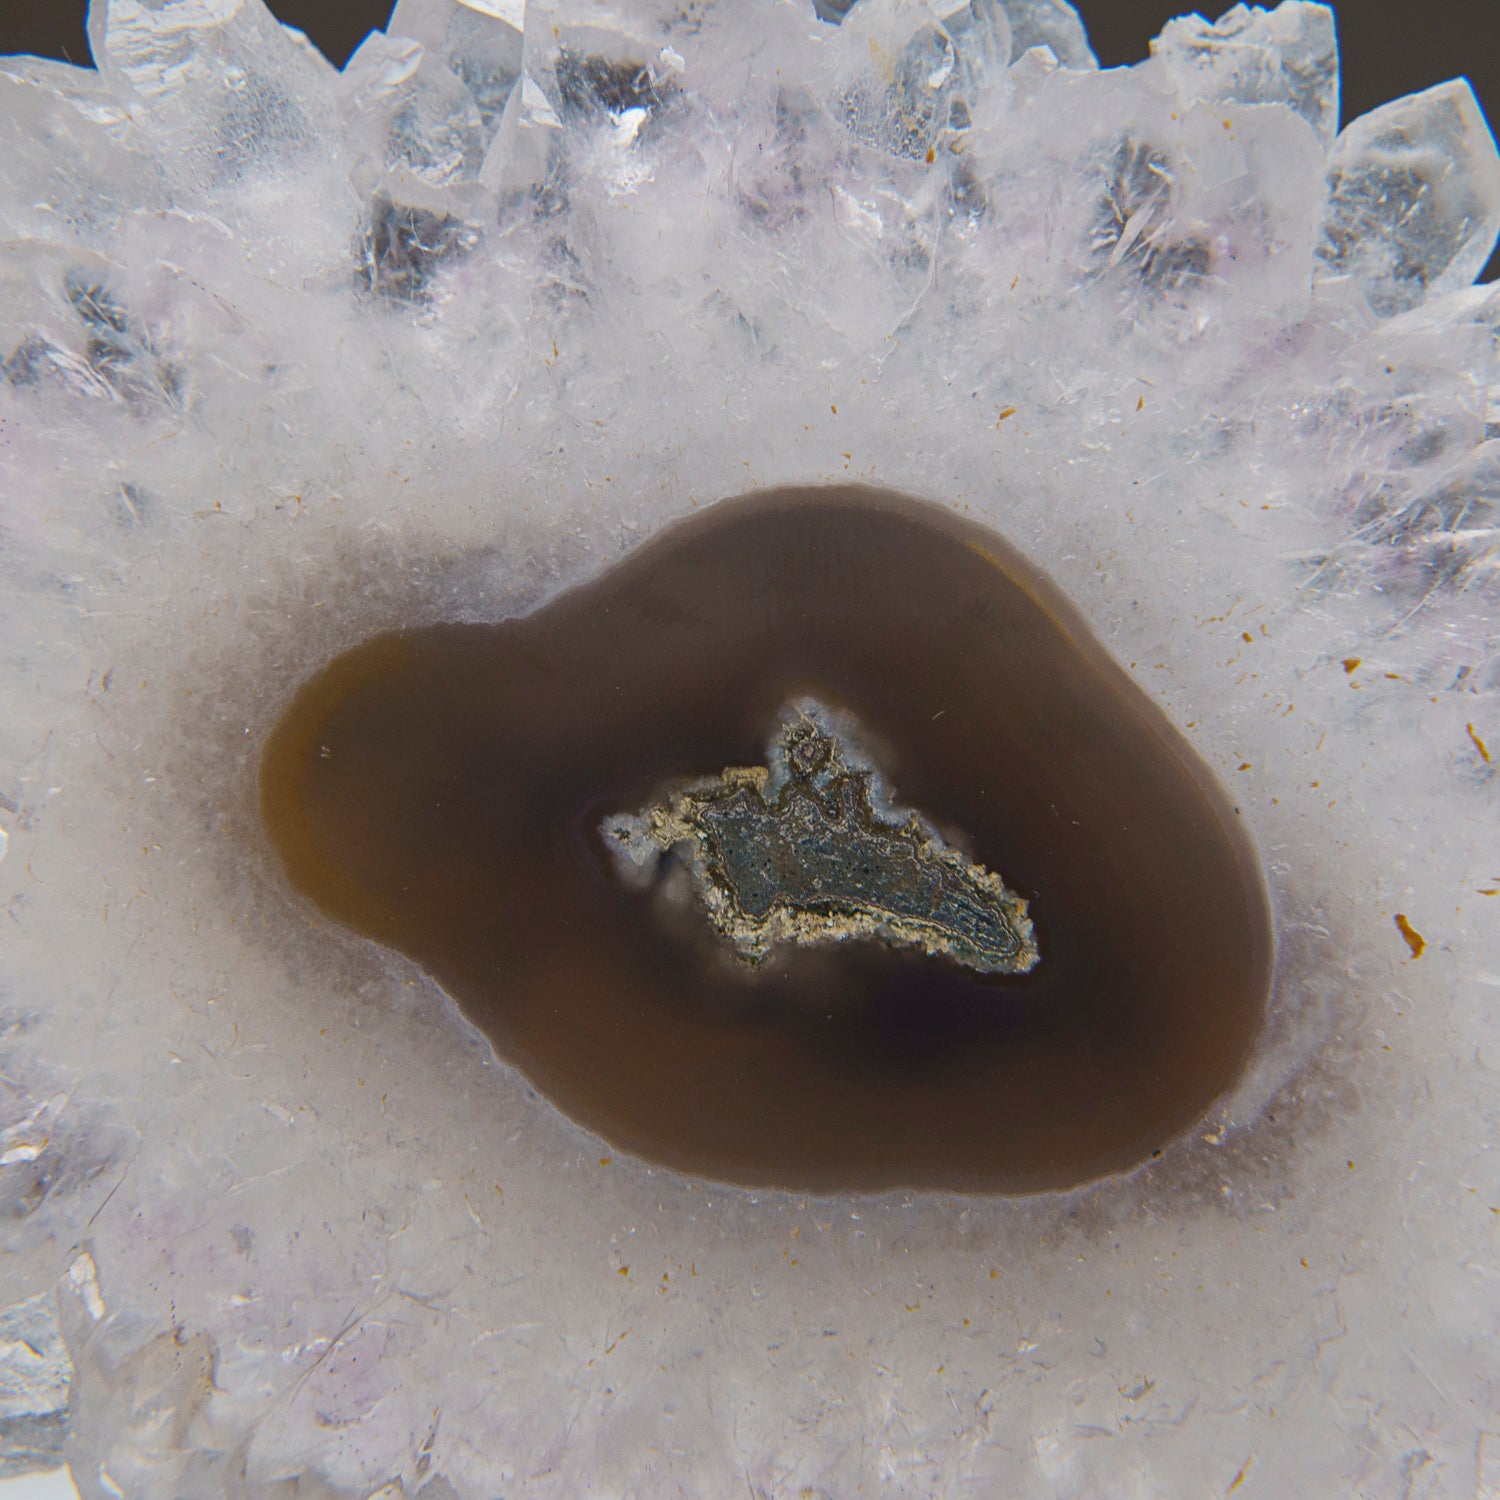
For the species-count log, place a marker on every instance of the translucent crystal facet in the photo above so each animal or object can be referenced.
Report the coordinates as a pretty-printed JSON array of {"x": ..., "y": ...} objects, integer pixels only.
[
  {"x": 1049, "y": 23},
  {"x": 422, "y": 118},
  {"x": 1288, "y": 55},
  {"x": 1413, "y": 198},
  {"x": 68, "y": 172},
  {"x": 243, "y": 109},
  {"x": 905, "y": 76},
  {"x": 35, "y": 1372},
  {"x": 480, "y": 44},
  {"x": 221, "y": 78}
]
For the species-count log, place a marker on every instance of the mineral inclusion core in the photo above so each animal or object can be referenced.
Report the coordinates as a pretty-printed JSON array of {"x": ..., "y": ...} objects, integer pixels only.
[{"x": 809, "y": 852}]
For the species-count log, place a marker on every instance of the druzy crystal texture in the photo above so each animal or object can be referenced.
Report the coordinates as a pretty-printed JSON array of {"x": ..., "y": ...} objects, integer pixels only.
[
  {"x": 799, "y": 852},
  {"x": 294, "y": 359}
]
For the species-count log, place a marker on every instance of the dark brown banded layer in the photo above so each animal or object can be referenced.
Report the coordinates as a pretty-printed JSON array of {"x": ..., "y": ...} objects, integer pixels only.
[{"x": 442, "y": 789}]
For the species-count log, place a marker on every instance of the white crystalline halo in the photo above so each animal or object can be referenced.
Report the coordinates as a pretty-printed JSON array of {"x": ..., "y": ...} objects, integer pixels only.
[{"x": 292, "y": 355}]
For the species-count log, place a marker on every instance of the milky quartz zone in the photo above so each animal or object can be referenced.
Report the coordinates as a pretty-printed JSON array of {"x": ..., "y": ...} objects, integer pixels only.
[{"x": 292, "y": 356}]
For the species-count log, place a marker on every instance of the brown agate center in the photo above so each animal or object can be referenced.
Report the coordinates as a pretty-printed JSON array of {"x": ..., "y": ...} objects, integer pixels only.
[{"x": 443, "y": 790}]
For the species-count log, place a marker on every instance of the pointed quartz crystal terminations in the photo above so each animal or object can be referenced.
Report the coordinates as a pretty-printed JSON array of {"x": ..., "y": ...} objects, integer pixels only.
[
  {"x": 416, "y": 116},
  {"x": 1288, "y": 55},
  {"x": 68, "y": 174},
  {"x": 1053, "y": 24},
  {"x": 243, "y": 118},
  {"x": 1413, "y": 198},
  {"x": 1049, "y": 23},
  {"x": 909, "y": 71},
  {"x": 479, "y": 42},
  {"x": 232, "y": 91},
  {"x": 810, "y": 852}
]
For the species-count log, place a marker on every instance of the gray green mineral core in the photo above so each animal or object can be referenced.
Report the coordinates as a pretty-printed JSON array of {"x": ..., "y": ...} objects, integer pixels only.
[{"x": 807, "y": 850}]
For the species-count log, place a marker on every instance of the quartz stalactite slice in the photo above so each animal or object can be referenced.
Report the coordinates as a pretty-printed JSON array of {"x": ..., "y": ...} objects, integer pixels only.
[
  {"x": 808, "y": 851},
  {"x": 294, "y": 361}
]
